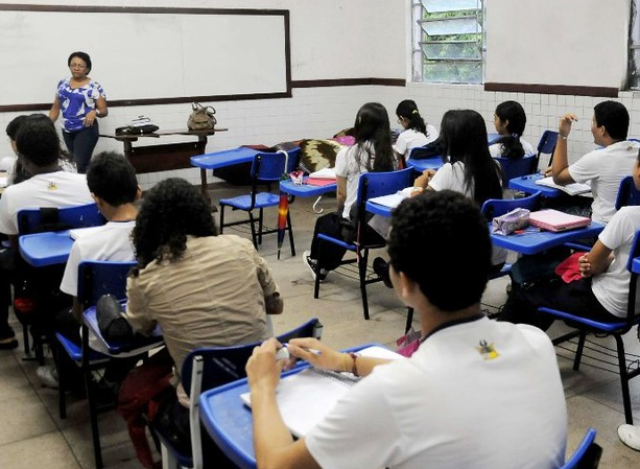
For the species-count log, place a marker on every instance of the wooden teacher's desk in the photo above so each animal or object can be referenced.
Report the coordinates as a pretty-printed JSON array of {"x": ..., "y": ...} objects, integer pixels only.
[{"x": 164, "y": 156}]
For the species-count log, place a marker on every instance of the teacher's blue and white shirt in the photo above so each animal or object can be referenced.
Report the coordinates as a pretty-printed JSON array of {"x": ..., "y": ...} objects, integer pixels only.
[{"x": 76, "y": 103}]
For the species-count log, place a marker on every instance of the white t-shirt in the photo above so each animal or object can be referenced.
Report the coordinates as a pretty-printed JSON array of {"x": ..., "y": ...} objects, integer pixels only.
[
  {"x": 347, "y": 167},
  {"x": 481, "y": 394},
  {"x": 605, "y": 168},
  {"x": 451, "y": 177},
  {"x": 496, "y": 148},
  {"x": 58, "y": 189},
  {"x": 112, "y": 242},
  {"x": 611, "y": 287},
  {"x": 411, "y": 138}
]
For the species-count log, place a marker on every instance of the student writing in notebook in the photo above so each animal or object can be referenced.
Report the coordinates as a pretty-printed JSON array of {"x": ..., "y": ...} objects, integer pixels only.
[
  {"x": 602, "y": 292},
  {"x": 603, "y": 168},
  {"x": 464, "y": 399}
]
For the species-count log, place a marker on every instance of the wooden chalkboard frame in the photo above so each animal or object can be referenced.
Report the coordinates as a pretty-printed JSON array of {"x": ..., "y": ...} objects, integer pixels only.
[{"x": 168, "y": 11}]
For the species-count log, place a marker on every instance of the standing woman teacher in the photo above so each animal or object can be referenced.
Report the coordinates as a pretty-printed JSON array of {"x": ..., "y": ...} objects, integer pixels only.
[{"x": 81, "y": 100}]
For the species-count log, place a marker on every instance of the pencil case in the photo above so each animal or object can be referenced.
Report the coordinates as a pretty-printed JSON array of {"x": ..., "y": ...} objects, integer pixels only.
[{"x": 509, "y": 222}]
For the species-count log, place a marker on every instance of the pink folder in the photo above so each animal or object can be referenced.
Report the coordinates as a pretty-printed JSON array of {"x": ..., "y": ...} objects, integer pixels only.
[{"x": 554, "y": 220}]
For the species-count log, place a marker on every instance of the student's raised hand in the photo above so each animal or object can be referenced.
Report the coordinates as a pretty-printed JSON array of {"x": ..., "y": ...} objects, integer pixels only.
[
  {"x": 317, "y": 354},
  {"x": 564, "y": 129},
  {"x": 263, "y": 370},
  {"x": 585, "y": 266}
]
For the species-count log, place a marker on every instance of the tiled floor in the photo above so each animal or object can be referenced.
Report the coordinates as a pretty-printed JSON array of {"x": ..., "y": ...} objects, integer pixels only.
[{"x": 32, "y": 434}]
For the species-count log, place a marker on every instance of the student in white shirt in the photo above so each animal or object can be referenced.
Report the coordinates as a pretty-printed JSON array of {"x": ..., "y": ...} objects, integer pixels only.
[
  {"x": 602, "y": 292},
  {"x": 464, "y": 399},
  {"x": 510, "y": 121},
  {"x": 38, "y": 148},
  {"x": 371, "y": 152},
  {"x": 603, "y": 168},
  {"x": 416, "y": 133}
]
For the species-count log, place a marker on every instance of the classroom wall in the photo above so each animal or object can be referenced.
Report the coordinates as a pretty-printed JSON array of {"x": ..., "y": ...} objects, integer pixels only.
[{"x": 342, "y": 30}]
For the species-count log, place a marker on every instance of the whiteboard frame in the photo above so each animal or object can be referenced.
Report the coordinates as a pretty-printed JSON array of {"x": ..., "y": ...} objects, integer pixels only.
[{"x": 19, "y": 107}]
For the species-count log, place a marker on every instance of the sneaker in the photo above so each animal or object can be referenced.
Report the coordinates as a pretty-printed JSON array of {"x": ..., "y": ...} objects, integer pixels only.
[
  {"x": 312, "y": 264},
  {"x": 630, "y": 436},
  {"x": 48, "y": 376},
  {"x": 381, "y": 268}
]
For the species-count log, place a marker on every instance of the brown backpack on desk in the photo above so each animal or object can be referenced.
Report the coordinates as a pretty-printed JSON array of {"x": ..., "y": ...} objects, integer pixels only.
[{"x": 201, "y": 118}]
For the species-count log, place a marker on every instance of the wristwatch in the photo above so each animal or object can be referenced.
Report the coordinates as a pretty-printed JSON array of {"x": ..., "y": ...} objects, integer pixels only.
[{"x": 97, "y": 112}]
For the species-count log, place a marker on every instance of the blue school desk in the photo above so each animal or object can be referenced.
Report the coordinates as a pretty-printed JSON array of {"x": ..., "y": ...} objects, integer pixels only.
[
  {"x": 229, "y": 422},
  {"x": 305, "y": 190},
  {"x": 533, "y": 242},
  {"x": 635, "y": 265},
  {"x": 377, "y": 209},
  {"x": 221, "y": 159},
  {"x": 428, "y": 163},
  {"x": 44, "y": 249},
  {"x": 528, "y": 184}
]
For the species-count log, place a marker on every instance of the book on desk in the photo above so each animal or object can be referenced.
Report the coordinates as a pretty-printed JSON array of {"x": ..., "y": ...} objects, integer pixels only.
[
  {"x": 575, "y": 188},
  {"x": 305, "y": 398}
]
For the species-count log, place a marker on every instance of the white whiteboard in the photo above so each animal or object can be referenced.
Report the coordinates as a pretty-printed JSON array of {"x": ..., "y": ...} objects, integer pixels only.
[
  {"x": 138, "y": 56},
  {"x": 551, "y": 42}
]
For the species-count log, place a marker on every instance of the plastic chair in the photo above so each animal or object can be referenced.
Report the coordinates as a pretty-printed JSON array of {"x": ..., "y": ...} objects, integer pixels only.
[
  {"x": 514, "y": 168},
  {"x": 46, "y": 280},
  {"x": 587, "y": 455},
  {"x": 492, "y": 208},
  {"x": 627, "y": 194},
  {"x": 267, "y": 168},
  {"x": 617, "y": 329},
  {"x": 546, "y": 146},
  {"x": 95, "y": 278},
  {"x": 210, "y": 367},
  {"x": 370, "y": 185}
]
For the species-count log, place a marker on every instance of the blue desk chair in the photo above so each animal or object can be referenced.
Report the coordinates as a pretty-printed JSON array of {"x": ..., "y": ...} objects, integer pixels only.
[
  {"x": 587, "y": 455},
  {"x": 267, "y": 168},
  {"x": 370, "y": 185},
  {"x": 627, "y": 194},
  {"x": 492, "y": 208},
  {"x": 514, "y": 168},
  {"x": 44, "y": 283},
  {"x": 95, "y": 278},
  {"x": 546, "y": 146},
  {"x": 210, "y": 367},
  {"x": 617, "y": 329}
]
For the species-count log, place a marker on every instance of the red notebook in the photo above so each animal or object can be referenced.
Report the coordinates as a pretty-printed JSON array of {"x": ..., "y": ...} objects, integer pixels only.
[
  {"x": 554, "y": 220},
  {"x": 319, "y": 181}
]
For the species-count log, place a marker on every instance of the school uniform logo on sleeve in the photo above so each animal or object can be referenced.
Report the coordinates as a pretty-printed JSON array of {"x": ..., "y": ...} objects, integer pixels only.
[
  {"x": 52, "y": 186},
  {"x": 487, "y": 350}
]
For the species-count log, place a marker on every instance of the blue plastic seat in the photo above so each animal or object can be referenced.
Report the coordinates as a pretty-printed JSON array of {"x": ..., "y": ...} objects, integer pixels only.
[
  {"x": 587, "y": 454},
  {"x": 209, "y": 367},
  {"x": 627, "y": 193},
  {"x": 267, "y": 168},
  {"x": 617, "y": 329},
  {"x": 370, "y": 185}
]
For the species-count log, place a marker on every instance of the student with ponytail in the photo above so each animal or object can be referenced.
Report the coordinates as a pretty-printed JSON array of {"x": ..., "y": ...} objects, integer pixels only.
[
  {"x": 416, "y": 132},
  {"x": 510, "y": 120}
]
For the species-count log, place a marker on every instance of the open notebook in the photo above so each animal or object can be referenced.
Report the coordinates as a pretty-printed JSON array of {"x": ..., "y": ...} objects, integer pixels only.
[
  {"x": 306, "y": 397},
  {"x": 575, "y": 188}
]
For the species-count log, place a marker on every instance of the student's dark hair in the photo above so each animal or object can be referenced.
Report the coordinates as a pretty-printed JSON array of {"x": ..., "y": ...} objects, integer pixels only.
[
  {"x": 464, "y": 135},
  {"x": 37, "y": 140},
  {"x": 170, "y": 211},
  {"x": 14, "y": 126},
  {"x": 512, "y": 112},
  {"x": 111, "y": 177},
  {"x": 372, "y": 125},
  {"x": 445, "y": 231},
  {"x": 81, "y": 55},
  {"x": 615, "y": 118},
  {"x": 408, "y": 109}
]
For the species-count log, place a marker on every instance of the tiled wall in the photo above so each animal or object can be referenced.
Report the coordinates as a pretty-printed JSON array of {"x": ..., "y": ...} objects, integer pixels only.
[{"x": 320, "y": 112}]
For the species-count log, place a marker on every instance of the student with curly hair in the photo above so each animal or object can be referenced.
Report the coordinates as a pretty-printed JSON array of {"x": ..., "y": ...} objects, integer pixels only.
[
  {"x": 202, "y": 289},
  {"x": 510, "y": 121},
  {"x": 371, "y": 152}
]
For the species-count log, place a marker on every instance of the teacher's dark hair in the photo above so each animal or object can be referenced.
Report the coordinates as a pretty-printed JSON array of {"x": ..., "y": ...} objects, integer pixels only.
[
  {"x": 451, "y": 222},
  {"x": 170, "y": 211},
  {"x": 37, "y": 140},
  {"x": 81, "y": 55}
]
